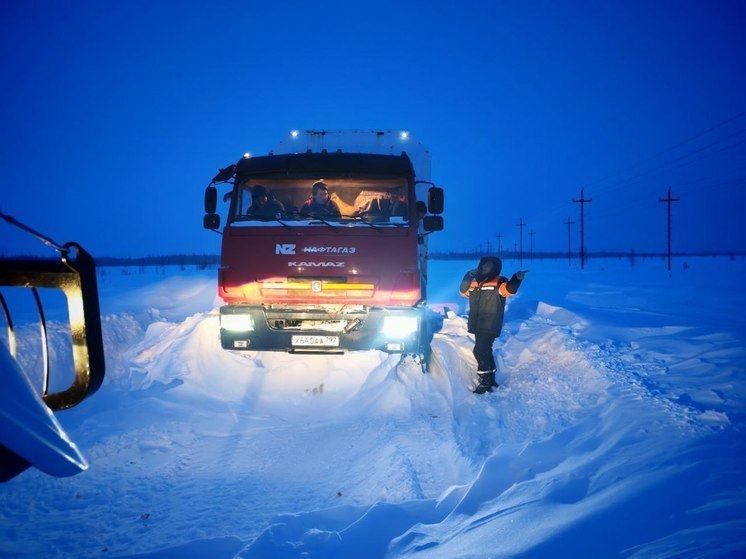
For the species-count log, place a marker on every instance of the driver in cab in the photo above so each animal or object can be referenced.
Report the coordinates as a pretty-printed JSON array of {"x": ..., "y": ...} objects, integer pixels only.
[{"x": 262, "y": 206}]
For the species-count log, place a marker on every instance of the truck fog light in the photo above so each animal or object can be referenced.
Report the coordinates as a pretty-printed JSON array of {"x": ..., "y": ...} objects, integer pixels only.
[
  {"x": 236, "y": 322},
  {"x": 399, "y": 326}
]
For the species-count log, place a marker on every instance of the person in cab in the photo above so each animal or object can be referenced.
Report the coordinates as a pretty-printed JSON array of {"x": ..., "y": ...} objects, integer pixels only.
[
  {"x": 319, "y": 204},
  {"x": 262, "y": 206}
]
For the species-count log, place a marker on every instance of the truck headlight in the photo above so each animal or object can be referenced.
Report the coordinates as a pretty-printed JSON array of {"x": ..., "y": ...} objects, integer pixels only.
[
  {"x": 236, "y": 322},
  {"x": 399, "y": 326}
]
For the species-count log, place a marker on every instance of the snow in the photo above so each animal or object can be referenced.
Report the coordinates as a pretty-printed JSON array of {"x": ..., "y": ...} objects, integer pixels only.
[
  {"x": 27, "y": 423},
  {"x": 617, "y": 431}
]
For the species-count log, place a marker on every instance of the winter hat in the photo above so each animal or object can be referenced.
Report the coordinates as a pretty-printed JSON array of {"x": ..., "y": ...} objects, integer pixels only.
[
  {"x": 489, "y": 267},
  {"x": 258, "y": 191},
  {"x": 319, "y": 185}
]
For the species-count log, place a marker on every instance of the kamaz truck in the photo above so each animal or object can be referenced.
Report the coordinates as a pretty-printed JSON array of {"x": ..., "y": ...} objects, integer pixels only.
[{"x": 351, "y": 277}]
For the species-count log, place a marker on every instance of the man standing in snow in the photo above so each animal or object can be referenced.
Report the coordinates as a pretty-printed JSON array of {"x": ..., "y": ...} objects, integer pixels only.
[{"x": 487, "y": 291}]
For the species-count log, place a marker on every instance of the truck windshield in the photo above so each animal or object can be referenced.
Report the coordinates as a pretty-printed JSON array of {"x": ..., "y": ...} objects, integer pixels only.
[{"x": 314, "y": 202}]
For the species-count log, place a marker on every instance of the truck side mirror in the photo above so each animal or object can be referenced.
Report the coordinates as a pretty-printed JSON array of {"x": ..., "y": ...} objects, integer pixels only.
[
  {"x": 211, "y": 199},
  {"x": 211, "y": 221},
  {"x": 432, "y": 223},
  {"x": 435, "y": 200},
  {"x": 225, "y": 174}
]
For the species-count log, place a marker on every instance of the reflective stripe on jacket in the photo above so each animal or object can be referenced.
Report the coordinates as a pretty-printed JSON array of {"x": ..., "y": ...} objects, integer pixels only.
[{"x": 487, "y": 302}]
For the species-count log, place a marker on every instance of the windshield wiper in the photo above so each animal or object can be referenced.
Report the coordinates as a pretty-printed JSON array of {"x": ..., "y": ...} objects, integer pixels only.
[
  {"x": 278, "y": 220},
  {"x": 313, "y": 217},
  {"x": 361, "y": 219},
  {"x": 325, "y": 222},
  {"x": 262, "y": 219}
]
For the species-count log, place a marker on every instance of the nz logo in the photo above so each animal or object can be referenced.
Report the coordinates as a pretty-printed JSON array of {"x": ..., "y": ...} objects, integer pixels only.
[{"x": 284, "y": 249}]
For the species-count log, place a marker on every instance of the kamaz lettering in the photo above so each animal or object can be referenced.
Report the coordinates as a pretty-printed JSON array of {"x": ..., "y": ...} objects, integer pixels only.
[{"x": 316, "y": 264}]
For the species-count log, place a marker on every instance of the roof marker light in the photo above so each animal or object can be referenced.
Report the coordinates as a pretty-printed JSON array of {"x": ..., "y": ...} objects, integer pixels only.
[
  {"x": 404, "y": 134},
  {"x": 294, "y": 133},
  {"x": 246, "y": 155}
]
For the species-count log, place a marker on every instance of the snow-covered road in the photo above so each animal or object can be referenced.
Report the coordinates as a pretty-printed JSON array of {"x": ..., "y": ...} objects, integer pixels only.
[{"x": 616, "y": 432}]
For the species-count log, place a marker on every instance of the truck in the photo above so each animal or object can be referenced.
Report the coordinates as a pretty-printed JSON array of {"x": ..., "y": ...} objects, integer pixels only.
[{"x": 352, "y": 278}]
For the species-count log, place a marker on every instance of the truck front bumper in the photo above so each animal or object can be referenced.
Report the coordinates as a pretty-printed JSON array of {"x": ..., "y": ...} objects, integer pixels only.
[{"x": 256, "y": 328}]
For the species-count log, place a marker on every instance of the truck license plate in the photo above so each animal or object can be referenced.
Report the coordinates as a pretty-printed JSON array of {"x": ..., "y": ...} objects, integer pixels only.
[{"x": 324, "y": 341}]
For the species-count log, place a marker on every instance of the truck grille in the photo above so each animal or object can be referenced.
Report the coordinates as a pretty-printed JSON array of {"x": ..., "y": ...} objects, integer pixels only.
[{"x": 318, "y": 320}]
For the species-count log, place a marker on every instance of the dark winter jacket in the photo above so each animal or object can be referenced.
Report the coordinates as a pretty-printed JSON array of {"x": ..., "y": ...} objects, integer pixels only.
[
  {"x": 311, "y": 209},
  {"x": 487, "y": 291},
  {"x": 272, "y": 209}
]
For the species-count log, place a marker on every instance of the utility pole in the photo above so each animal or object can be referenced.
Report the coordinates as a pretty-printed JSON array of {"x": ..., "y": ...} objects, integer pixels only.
[
  {"x": 569, "y": 241},
  {"x": 521, "y": 225},
  {"x": 668, "y": 201},
  {"x": 583, "y": 201},
  {"x": 489, "y": 247},
  {"x": 499, "y": 245},
  {"x": 531, "y": 254}
]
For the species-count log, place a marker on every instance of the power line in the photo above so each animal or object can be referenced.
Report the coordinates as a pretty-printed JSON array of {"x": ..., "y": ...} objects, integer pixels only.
[
  {"x": 672, "y": 165},
  {"x": 673, "y": 147}
]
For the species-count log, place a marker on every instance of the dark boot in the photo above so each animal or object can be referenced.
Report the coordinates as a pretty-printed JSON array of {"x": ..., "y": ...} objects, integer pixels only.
[{"x": 486, "y": 382}]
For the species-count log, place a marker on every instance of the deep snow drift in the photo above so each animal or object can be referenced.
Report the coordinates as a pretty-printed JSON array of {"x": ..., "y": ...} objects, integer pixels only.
[{"x": 617, "y": 430}]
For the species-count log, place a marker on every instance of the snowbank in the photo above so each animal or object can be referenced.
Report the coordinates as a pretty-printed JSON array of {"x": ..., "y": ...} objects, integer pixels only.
[{"x": 617, "y": 431}]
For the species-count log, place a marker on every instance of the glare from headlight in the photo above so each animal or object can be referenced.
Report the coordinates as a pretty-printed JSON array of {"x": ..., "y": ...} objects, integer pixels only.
[
  {"x": 236, "y": 322},
  {"x": 398, "y": 327}
]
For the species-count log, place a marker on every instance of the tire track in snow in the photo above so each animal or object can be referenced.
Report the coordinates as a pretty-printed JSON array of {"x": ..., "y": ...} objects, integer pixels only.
[{"x": 281, "y": 446}]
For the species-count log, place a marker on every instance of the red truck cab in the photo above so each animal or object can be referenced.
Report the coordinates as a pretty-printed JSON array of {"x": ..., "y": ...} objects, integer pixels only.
[{"x": 348, "y": 274}]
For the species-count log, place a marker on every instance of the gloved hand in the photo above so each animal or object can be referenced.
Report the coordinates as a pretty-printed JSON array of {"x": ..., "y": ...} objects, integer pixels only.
[{"x": 520, "y": 274}]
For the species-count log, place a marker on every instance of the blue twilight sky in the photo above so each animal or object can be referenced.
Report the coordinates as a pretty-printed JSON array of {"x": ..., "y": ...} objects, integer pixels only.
[{"x": 115, "y": 114}]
